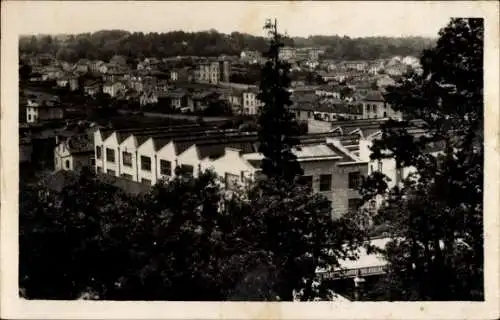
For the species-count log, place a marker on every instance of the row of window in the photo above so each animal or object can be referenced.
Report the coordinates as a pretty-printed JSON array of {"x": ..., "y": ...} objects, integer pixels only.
[
  {"x": 325, "y": 181},
  {"x": 165, "y": 169},
  {"x": 35, "y": 117},
  {"x": 66, "y": 163},
  {"x": 165, "y": 165},
  {"x": 123, "y": 175},
  {"x": 372, "y": 107}
]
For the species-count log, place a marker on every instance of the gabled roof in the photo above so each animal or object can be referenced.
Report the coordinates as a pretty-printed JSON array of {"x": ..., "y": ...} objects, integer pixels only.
[{"x": 374, "y": 96}]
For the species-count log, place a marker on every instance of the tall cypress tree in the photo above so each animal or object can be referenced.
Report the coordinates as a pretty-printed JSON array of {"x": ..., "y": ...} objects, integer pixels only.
[{"x": 278, "y": 129}]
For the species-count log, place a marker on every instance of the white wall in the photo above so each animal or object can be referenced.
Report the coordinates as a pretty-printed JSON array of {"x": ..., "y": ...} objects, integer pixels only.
[
  {"x": 61, "y": 155},
  {"x": 98, "y": 142},
  {"x": 147, "y": 149},
  {"x": 112, "y": 143},
  {"x": 129, "y": 145},
  {"x": 190, "y": 157},
  {"x": 167, "y": 152}
]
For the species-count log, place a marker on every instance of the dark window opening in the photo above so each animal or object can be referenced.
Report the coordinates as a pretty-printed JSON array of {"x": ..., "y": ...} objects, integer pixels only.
[
  {"x": 325, "y": 182},
  {"x": 145, "y": 163},
  {"x": 165, "y": 167},
  {"x": 185, "y": 170},
  {"x": 354, "y": 180},
  {"x": 127, "y": 159},
  {"x": 110, "y": 155},
  {"x": 307, "y": 181}
]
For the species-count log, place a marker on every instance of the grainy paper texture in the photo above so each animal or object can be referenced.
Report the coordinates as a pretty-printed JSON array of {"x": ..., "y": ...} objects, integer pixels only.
[{"x": 297, "y": 18}]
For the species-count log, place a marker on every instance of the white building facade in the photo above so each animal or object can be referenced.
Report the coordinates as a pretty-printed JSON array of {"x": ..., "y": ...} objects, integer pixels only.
[{"x": 329, "y": 167}]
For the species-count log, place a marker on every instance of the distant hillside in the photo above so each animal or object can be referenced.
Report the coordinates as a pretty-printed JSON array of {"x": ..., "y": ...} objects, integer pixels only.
[{"x": 106, "y": 43}]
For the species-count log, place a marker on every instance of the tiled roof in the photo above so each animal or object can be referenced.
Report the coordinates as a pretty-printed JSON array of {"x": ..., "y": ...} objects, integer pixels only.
[
  {"x": 172, "y": 94},
  {"x": 90, "y": 83},
  {"x": 162, "y": 138},
  {"x": 210, "y": 150},
  {"x": 341, "y": 108},
  {"x": 203, "y": 95},
  {"x": 80, "y": 144},
  {"x": 146, "y": 129},
  {"x": 41, "y": 96},
  {"x": 374, "y": 96},
  {"x": 304, "y": 107},
  {"x": 305, "y": 98},
  {"x": 237, "y": 141}
]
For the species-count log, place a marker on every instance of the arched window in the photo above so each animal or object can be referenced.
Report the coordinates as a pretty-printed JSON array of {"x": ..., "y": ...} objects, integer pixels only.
[{"x": 67, "y": 164}]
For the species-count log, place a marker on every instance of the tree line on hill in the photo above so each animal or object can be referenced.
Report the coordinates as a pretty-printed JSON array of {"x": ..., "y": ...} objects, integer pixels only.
[
  {"x": 105, "y": 44},
  {"x": 266, "y": 242}
]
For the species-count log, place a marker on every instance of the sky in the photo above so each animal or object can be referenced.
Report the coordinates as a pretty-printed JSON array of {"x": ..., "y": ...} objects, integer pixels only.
[{"x": 296, "y": 18}]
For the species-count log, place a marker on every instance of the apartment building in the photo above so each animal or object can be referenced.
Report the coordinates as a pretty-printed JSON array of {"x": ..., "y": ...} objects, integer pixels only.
[
  {"x": 209, "y": 72},
  {"x": 251, "y": 104},
  {"x": 287, "y": 53},
  {"x": 375, "y": 107},
  {"x": 113, "y": 88},
  {"x": 42, "y": 107}
]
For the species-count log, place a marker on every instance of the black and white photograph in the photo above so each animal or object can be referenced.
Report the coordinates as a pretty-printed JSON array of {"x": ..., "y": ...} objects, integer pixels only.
[{"x": 281, "y": 151}]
